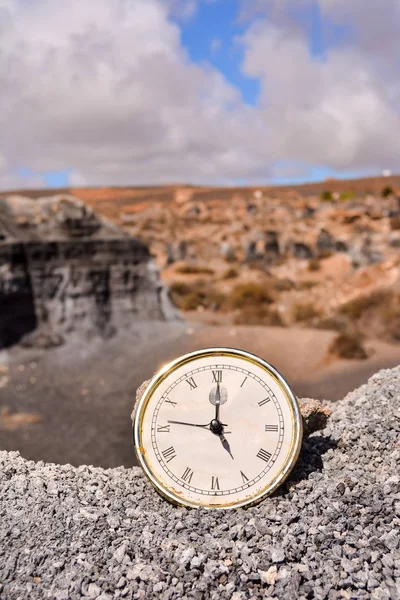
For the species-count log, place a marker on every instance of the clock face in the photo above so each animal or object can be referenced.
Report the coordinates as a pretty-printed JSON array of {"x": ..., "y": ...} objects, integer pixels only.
[{"x": 218, "y": 428}]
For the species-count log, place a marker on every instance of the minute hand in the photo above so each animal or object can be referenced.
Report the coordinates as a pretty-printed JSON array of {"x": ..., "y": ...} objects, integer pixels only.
[{"x": 207, "y": 426}]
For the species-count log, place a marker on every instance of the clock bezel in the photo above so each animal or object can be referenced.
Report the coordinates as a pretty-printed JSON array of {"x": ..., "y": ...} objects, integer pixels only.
[{"x": 166, "y": 371}]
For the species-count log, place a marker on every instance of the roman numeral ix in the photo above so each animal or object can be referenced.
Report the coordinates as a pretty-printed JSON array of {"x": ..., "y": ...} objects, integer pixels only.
[
  {"x": 163, "y": 428},
  {"x": 169, "y": 454},
  {"x": 264, "y": 455}
]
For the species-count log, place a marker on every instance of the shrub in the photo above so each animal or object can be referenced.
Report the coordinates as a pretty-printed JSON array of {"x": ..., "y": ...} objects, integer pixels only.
[
  {"x": 326, "y": 196},
  {"x": 325, "y": 253},
  {"x": 194, "y": 269},
  {"x": 356, "y": 308},
  {"x": 307, "y": 285},
  {"x": 230, "y": 274},
  {"x": 395, "y": 223},
  {"x": 190, "y": 297},
  {"x": 349, "y": 344},
  {"x": 314, "y": 264},
  {"x": 346, "y": 196},
  {"x": 387, "y": 191},
  {"x": 284, "y": 285},
  {"x": 259, "y": 315},
  {"x": 249, "y": 294},
  {"x": 391, "y": 319},
  {"x": 304, "y": 312}
]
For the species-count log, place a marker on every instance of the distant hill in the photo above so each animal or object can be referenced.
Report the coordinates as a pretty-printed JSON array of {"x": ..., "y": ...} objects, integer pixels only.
[{"x": 132, "y": 194}]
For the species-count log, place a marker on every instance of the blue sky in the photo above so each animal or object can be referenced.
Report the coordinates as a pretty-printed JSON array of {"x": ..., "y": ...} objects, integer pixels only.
[{"x": 316, "y": 96}]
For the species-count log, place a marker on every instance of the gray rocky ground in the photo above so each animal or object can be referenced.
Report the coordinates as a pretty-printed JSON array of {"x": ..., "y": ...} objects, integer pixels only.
[{"x": 331, "y": 532}]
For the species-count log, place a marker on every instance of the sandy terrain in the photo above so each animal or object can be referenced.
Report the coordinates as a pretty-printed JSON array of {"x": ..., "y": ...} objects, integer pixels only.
[{"x": 72, "y": 404}]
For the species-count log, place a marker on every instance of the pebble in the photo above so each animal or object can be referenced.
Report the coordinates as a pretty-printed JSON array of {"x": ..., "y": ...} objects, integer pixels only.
[{"x": 331, "y": 532}]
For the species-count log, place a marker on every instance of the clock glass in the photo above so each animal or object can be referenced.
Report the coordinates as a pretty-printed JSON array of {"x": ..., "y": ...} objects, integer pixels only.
[{"x": 217, "y": 428}]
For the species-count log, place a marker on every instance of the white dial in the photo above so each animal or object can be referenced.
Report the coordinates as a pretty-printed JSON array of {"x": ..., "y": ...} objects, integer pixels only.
[{"x": 218, "y": 428}]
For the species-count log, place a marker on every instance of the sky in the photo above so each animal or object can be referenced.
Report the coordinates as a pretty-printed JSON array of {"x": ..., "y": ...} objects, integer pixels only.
[{"x": 120, "y": 92}]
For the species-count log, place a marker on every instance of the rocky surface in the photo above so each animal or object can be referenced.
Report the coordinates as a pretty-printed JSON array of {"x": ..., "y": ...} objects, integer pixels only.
[
  {"x": 330, "y": 532},
  {"x": 64, "y": 269}
]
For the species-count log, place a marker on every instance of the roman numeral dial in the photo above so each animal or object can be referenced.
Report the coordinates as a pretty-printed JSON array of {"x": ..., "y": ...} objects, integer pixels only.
[{"x": 218, "y": 431}]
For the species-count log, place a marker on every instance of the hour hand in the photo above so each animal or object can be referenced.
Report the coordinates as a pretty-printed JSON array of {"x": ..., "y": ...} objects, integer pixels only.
[{"x": 225, "y": 444}]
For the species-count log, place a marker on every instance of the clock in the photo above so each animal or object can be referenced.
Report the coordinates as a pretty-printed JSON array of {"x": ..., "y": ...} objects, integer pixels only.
[{"x": 217, "y": 428}]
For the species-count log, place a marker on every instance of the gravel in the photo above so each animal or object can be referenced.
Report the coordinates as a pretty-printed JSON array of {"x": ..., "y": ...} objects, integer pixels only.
[{"x": 331, "y": 532}]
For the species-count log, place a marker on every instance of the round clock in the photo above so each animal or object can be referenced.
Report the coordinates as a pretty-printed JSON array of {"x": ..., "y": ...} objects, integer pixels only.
[{"x": 217, "y": 428}]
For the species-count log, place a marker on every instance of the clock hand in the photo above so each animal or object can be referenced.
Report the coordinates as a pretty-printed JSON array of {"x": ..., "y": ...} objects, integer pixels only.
[
  {"x": 217, "y": 402},
  {"x": 207, "y": 426},
  {"x": 225, "y": 444}
]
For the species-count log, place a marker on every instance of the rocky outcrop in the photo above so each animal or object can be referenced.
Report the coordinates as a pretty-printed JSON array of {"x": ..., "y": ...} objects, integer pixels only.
[
  {"x": 331, "y": 532},
  {"x": 64, "y": 269}
]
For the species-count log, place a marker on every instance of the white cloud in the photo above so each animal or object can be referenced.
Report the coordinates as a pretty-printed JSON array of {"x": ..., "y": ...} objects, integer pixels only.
[
  {"x": 342, "y": 111},
  {"x": 112, "y": 95}
]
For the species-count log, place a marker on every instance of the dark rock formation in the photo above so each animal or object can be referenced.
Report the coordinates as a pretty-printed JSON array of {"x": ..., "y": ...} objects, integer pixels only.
[{"x": 62, "y": 269}]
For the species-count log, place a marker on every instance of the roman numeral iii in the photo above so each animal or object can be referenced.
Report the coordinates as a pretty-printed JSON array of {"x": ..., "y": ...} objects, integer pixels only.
[
  {"x": 271, "y": 428},
  {"x": 217, "y": 376},
  {"x": 264, "y": 455},
  {"x": 191, "y": 382},
  {"x": 187, "y": 475},
  {"x": 169, "y": 454}
]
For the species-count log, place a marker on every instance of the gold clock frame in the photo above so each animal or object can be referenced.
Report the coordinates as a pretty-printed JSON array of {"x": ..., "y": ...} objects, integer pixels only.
[{"x": 172, "y": 495}]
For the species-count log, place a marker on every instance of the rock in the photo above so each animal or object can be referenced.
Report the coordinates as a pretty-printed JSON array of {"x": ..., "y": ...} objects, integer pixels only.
[{"x": 53, "y": 284}]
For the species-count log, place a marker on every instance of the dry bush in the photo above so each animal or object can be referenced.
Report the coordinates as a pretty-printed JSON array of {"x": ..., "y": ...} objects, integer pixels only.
[
  {"x": 387, "y": 191},
  {"x": 395, "y": 223},
  {"x": 325, "y": 253},
  {"x": 259, "y": 315},
  {"x": 349, "y": 344},
  {"x": 195, "y": 270},
  {"x": 283, "y": 285},
  {"x": 191, "y": 296},
  {"x": 307, "y": 285},
  {"x": 391, "y": 319},
  {"x": 314, "y": 264},
  {"x": 231, "y": 273},
  {"x": 357, "y": 307},
  {"x": 250, "y": 294},
  {"x": 326, "y": 196},
  {"x": 305, "y": 312},
  {"x": 333, "y": 323}
]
